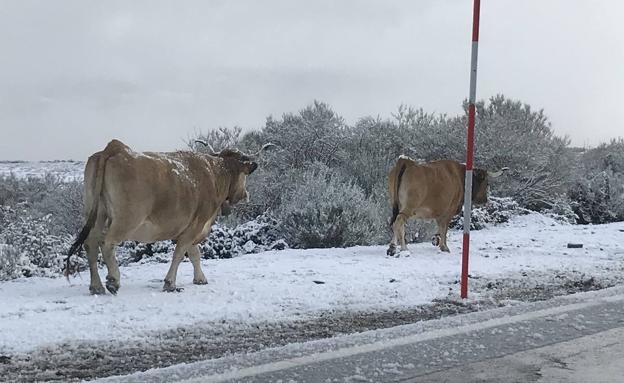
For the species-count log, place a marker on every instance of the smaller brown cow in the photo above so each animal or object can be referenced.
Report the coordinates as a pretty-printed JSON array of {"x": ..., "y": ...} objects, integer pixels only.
[{"x": 433, "y": 190}]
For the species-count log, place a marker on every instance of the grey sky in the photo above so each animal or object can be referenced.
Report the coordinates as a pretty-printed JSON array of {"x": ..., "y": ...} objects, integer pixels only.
[{"x": 74, "y": 74}]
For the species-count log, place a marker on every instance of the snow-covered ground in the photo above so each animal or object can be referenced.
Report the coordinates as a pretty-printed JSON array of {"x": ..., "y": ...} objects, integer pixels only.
[
  {"x": 65, "y": 170},
  {"x": 282, "y": 286}
]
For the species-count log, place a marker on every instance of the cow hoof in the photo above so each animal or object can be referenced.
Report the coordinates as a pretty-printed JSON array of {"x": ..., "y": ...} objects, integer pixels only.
[
  {"x": 171, "y": 288},
  {"x": 97, "y": 290},
  {"x": 174, "y": 290},
  {"x": 391, "y": 251},
  {"x": 112, "y": 285},
  {"x": 445, "y": 249},
  {"x": 112, "y": 288},
  {"x": 201, "y": 281},
  {"x": 435, "y": 240}
]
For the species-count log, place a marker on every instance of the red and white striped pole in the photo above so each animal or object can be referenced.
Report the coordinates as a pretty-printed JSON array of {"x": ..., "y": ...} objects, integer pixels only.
[{"x": 470, "y": 148}]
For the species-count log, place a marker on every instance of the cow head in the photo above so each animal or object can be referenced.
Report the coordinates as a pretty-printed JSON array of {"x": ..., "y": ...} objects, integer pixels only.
[
  {"x": 239, "y": 165},
  {"x": 480, "y": 178}
]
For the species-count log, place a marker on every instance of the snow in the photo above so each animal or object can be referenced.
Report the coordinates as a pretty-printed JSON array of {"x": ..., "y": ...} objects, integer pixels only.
[
  {"x": 278, "y": 286},
  {"x": 65, "y": 170}
]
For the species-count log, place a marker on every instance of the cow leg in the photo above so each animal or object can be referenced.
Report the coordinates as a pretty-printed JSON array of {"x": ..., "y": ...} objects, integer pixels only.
[
  {"x": 398, "y": 227},
  {"x": 112, "y": 279},
  {"x": 92, "y": 247},
  {"x": 198, "y": 275},
  {"x": 170, "y": 279},
  {"x": 393, "y": 242},
  {"x": 443, "y": 224}
]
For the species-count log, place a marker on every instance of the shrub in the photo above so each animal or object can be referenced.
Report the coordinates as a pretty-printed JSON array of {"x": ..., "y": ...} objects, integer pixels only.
[
  {"x": 562, "y": 210},
  {"x": 218, "y": 139},
  {"x": 597, "y": 194},
  {"x": 31, "y": 237},
  {"x": 327, "y": 211},
  {"x": 133, "y": 252},
  {"x": 497, "y": 210},
  {"x": 50, "y": 194},
  {"x": 315, "y": 134},
  {"x": 596, "y": 201},
  {"x": 512, "y": 134},
  {"x": 254, "y": 236},
  {"x": 260, "y": 234},
  {"x": 11, "y": 262}
]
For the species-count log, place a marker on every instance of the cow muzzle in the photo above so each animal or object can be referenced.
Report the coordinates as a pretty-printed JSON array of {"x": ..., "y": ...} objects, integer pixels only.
[{"x": 244, "y": 197}]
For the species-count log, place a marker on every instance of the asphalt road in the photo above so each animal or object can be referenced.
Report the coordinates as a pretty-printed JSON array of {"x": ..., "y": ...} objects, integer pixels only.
[
  {"x": 597, "y": 358},
  {"x": 568, "y": 339}
]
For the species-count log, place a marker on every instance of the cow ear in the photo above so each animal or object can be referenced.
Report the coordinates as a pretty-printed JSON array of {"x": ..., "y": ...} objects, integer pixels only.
[{"x": 249, "y": 166}]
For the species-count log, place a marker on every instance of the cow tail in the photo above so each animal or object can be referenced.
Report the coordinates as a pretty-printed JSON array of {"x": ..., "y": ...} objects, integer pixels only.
[
  {"x": 395, "y": 196},
  {"x": 100, "y": 162}
]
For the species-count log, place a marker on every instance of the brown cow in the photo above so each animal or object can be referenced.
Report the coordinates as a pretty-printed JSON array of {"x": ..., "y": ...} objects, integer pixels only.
[
  {"x": 150, "y": 197},
  {"x": 431, "y": 190}
]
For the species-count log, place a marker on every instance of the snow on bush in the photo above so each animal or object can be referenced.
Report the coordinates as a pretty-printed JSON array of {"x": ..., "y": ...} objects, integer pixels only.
[
  {"x": 598, "y": 199},
  {"x": 327, "y": 211},
  {"x": 562, "y": 210},
  {"x": 38, "y": 252},
  {"x": 260, "y": 234},
  {"x": 28, "y": 248},
  {"x": 133, "y": 252},
  {"x": 11, "y": 262},
  {"x": 255, "y": 236},
  {"x": 496, "y": 210}
]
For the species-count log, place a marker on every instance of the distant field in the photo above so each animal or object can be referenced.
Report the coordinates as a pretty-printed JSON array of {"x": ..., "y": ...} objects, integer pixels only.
[{"x": 66, "y": 170}]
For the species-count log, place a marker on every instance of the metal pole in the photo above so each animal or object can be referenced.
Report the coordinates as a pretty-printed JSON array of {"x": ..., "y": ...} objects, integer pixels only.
[{"x": 470, "y": 148}]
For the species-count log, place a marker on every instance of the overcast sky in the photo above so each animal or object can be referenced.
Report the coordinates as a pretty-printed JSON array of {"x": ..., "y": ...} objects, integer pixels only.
[{"x": 75, "y": 74}]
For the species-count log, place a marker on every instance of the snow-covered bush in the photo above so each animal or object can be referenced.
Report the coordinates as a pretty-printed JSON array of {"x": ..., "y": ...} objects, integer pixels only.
[
  {"x": 372, "y": 147},
  {"x": 328, "y": 211},
  {"x": 218, "y": 139},
  {"x": 133, "y": 252},
  {"x": 41, "y": 196},
  {"x": 32, "y": 239},
  {"x": 11, "y": 262},
  {"x": 497, "y": 210},
  {"x": 562, "y": 210},
  {"x": 512, "y": 134},
  {"x": 428, "y": 136},
  {"x": 65, "y": 205},
  {"x": 315, "y": 134},
  {"x": 597, "y": 193},
  {"x": 260, "y": 234},
  {"x": 595, "y": 201},
  {"x": 255, "y": 236},
  {"x": 29, "y": 192}
]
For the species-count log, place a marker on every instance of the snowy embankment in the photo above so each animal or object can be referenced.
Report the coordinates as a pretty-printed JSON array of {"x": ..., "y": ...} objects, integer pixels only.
[{"x": 281, "y": 286}]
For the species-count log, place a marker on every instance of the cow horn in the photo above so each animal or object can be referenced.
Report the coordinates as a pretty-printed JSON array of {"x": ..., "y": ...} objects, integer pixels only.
[
  {"x": 206, "y": 144},
  {"x": 498, "y": 173},
  {"x": 263, "y": 148}
]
